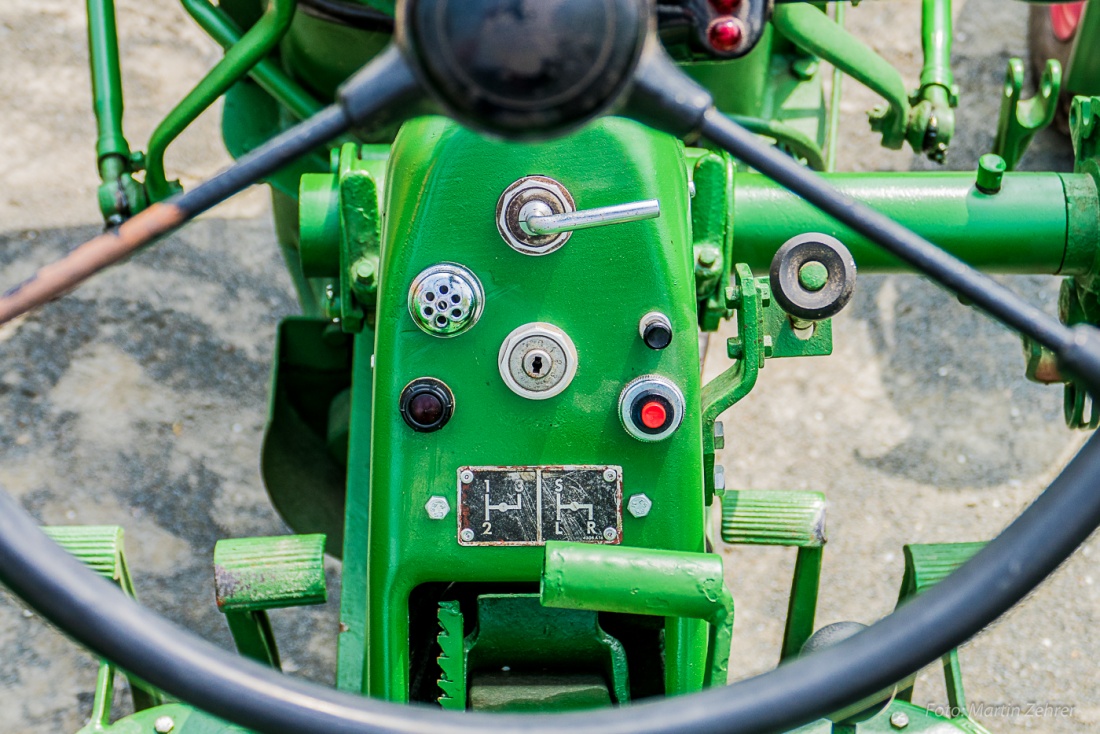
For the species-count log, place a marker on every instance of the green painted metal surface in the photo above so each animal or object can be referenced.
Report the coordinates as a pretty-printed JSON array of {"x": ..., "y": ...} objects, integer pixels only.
[
  {"x": 1083, "y": 70},
  {"x": 305, "y": 450},
  {"x": 452, "y": 657},
  {"x": 273, "y": 80},
  {"x": 644, "y": 581},
  {"x": 774, "y": 518},
  {"x": 811, "y": 29},
  {"x": 241, "y": 58},
  {"x": 338, "y": 459},
  {"x": 1021, "y": 119},
  {"x": 251, "y": 574},
  {"x": 783, "y": 518},
  {"x": 519, "y": 641},
  {"x": 1022, "y": 229},
  {"x": 101, "y": 548},
  {"x": 925, "y": 566},
  {"x": 444, "y": 183},
  {"x": 119, "y": 195},
  {"x": 184, "y": 720}
]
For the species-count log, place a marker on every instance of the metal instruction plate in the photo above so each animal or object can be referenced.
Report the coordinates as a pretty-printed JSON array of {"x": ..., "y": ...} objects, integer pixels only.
[{"x": 529, "y": 505}]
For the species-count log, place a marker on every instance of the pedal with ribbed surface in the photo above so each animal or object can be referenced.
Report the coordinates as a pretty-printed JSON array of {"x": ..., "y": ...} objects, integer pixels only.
[
  {"x": 928, "y": 564},
  {"x": 252, "y": 574},
  {"x": 756, "y": 517},
  {"x": 99, "y": 547}
]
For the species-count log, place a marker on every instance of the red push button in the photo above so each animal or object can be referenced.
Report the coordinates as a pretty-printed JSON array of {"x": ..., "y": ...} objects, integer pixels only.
[{"x": 654, "y": 414}]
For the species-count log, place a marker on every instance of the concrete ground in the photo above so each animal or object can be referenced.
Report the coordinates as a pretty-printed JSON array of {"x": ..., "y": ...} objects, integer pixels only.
[{"x": 140, "y": 399}]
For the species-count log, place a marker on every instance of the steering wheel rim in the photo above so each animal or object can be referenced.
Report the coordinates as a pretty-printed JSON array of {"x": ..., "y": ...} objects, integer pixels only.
[{"x": 96, "y": 614}]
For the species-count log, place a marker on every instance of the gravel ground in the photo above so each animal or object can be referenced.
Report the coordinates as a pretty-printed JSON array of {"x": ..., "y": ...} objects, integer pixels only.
[{"x": 140, "y": 399}]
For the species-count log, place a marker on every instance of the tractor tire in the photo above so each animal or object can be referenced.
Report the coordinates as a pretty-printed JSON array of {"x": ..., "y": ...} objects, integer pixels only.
[{"x": 1043, "y": 44}]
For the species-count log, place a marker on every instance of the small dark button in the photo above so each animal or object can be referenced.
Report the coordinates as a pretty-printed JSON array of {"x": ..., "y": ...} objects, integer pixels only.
[
  {"x": 426, "y": 404},
  {"x": 657, "y": 336}
]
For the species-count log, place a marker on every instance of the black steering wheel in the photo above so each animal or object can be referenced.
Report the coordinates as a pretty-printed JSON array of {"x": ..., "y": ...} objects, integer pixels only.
[{"x": 592, "y": 57}]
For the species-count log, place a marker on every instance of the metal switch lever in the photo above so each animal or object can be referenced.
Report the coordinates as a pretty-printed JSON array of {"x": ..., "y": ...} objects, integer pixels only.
[
  {"x": 537, "y": 218},
  {"x": 536, "y": 215}
]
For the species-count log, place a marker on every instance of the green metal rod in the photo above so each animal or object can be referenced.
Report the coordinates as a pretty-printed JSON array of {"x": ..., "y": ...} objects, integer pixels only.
[
  {"x": 254, "y": 45},
  {"x": 936, "y": 33},
  {"x": 811, "y": 30},
  {"x": 266, "y": 73},
  {"x": 1025, "y": 228},
  {"x": 832, "y": 136},
  {"x": 644, "y": 581},
  {"x": 106, "y": 79}
]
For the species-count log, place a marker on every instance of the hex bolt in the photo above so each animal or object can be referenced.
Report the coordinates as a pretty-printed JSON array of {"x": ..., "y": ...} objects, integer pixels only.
[
  {"x": 991, "y": 172},
  {"x": 610, "y": 475},
  {"x": 466, "y": 476},
  {"x": 163, "y": 725},
  {"x": 365, "y": 271},
  {"x": 467, "y": 535},
  {"x": 899, "y": 720},
  {"x": 437, "y": 507},
  {"x": 639, "y": 505}
]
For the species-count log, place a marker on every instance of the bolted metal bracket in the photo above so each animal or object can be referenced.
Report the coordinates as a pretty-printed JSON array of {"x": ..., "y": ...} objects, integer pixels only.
[{"x": 764, "y": 331}]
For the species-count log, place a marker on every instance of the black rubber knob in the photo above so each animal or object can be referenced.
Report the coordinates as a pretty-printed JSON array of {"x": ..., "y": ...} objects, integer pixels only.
[
  {"x": 426, "y": 404},
  {"x": 808, "y": 298},
  {"x": 524, "y": 68},
  {"x": 657, "y": 335}
]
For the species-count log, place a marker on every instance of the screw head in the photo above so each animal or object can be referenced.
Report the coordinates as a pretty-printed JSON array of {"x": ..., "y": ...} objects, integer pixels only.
[
  {"x": 466, "y": 476},
  {"x": 813, "y": 275},
  {"x": 163, "y": 725},
  {"x": 467, "y": 535},
  {"x": 437, "y": 507},
  {"x": 610, "y": 533},
  {"x": 610, "y": 475},
  {"x": 639, "y": 505},
  {"x": 899, "y": 720}
]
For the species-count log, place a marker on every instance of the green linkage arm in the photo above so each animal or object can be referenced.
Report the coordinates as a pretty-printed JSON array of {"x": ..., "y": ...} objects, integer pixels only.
[
  {"x": 813, "y": 31},
  {"x": 119, "y": 195},
  {"x": 106, "y": 79},
  {"x": 273, "y": 80},
  {"x": 936, "y": 36},
  {"x": 241, "y": 58},
  {"x": 933, "y": 125}
]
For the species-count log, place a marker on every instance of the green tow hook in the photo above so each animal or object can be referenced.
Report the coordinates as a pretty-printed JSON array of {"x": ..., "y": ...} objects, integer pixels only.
[
  {"x": 644, "y": 581},
  {"x": 1022, "y": 119}
]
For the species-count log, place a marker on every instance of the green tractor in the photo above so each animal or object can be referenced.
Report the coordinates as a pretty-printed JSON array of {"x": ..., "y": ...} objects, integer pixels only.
[{"x": 491, "y": 410}]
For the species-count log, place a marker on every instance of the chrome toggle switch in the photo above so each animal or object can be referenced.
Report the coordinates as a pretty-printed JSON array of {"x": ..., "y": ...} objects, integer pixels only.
[{"x": 536, "y": 215}]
